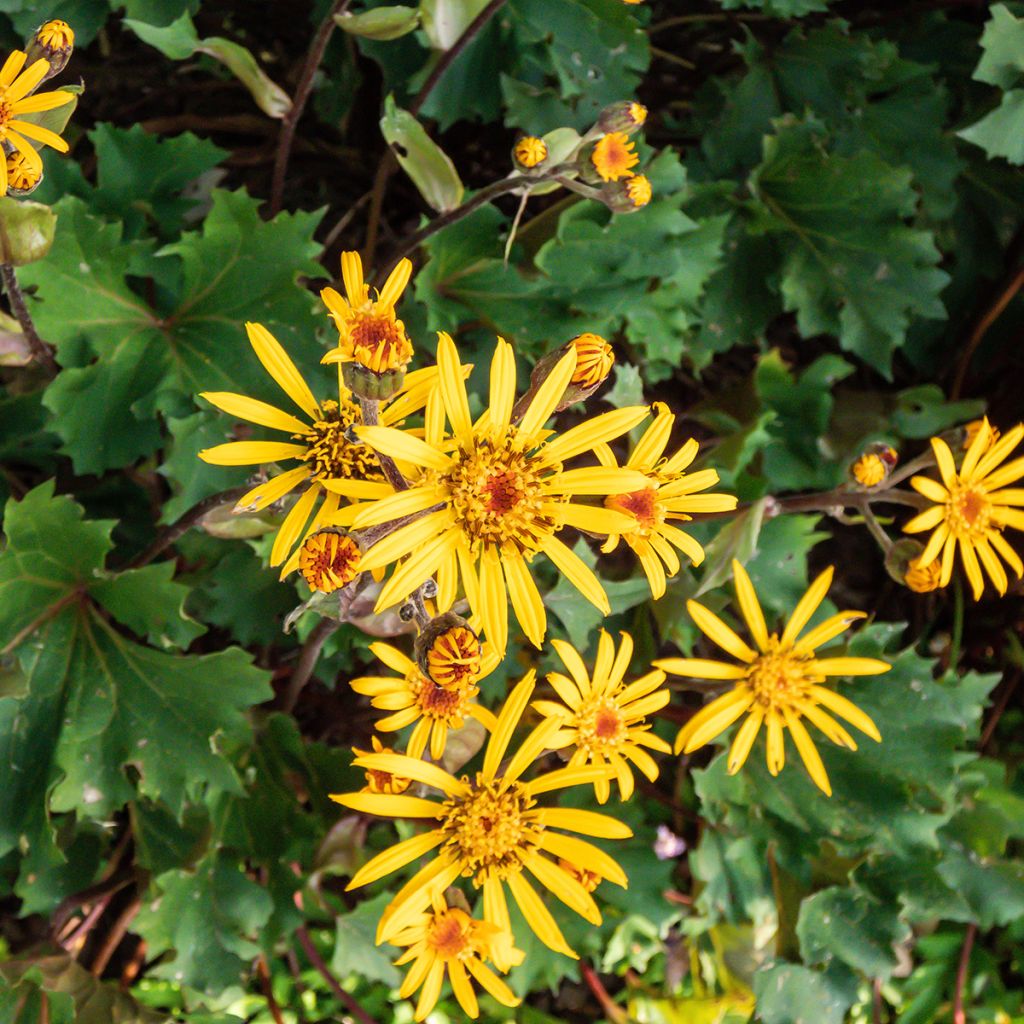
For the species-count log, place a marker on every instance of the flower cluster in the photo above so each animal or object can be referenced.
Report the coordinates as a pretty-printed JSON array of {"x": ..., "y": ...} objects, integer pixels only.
[{"x": 448, "y": 517}]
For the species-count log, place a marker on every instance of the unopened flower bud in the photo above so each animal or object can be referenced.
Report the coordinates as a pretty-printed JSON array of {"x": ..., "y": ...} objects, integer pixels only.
[
  {"x": 628, "y": 195},
  {"x": 628, "y": 117},
  {"x": 329, "y": 560},
  {"x": 923, "y": 579},
  {"x": 23, "y": 175},
  {"x": 448, "y": 651},
  {"x": 366, "y": 383},
  {"x": 530, "y": 154},
  {"x": 378, "y": 781},
  {"x": 972, "y": 429},
  {"x": 902, "y": 564},
  {"x": 594, "y": 361},
  {"x": 874, "y": 465},
  {"x": 52, "y": 42}
]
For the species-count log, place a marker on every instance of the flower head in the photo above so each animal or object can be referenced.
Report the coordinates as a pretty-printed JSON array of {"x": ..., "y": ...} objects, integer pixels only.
[
  {"x": 777, "y": 683},
  {"x": 329, "y": 560},
  {"x": 973, "y": 506},
  {"x": 449, "y": 652},
  {"x": 369, "y": 333},
  {"x": 627, "y": 116},
  {"x": 594, "y": 360},
  {"x": 330, "y": 463},
  {"x": 55, "y": 35},
  {"x": 638, "y": 189},
  {"x": 16, "y": 83},
  {"x": 602, "y": 717},
  {"x": 378, "y": 781},
  {"x": 446, "y": 939},
  {"x": 614, "y": 156},
  {"x": 491, "y": 829},
  {"x": 23, "y": 175},
  {"x": 668, "y": 493},
  {"x": 530, "y": 152},
  {"x": 872, "y": 468},
  {"x": 495, "y": 493},
  {"x": 415, "y": 697}
]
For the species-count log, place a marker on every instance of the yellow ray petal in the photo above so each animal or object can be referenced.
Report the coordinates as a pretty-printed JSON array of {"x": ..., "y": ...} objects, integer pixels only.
[
  {"x": 588, "y": 517},
  {"x": 558, "y": 881},
  {"x": 409, "y": 768},
  {"x": 290, "y": 530},
  {"x": 776, "y": 747},
  {"x": 42, "y": 102},
  {"x": 808, "y": 752},
  {"x": 944, "y": 460},
  {"x": 584, "y": 855},
  {"x": 511, "y": 712},
  {"x": 926, "y": 520},
  {"x": 597, "y": 480},
  {"x": 284, "y": 372},
  {"x": 586, "y": 436},
  {"x": 1007, "y": 474},
  {"x": 254, "y": 411},
  {"x": 453, "y": 390},
  {"x": 839, "y": 705},
  {"x": 395, "y": 857},
  {"x": 652, "y": 567},
  {"x": 549, "y": 394},
  {"x": 352, "y": 275},
  {"x": 826, "y": 631},
  {"x": 537, "y": 916},
  {"x": 564, "y": 778},
  {"x": 397, "y": 505},
  {"x": 931, "y": 489},
  {"x": 1012, "y": 558},
  {"x": 275, "y": 488},
  {"x": 358, "y": 489},
  {"x": 406, "y": 539},
  {"x": 12, "y": 68},
  {"x": 251, "y": 453},
  {"x": 436, "y": 874},
  {"x": 26, "y": 81},
  {"x": 431, "y": 990},
  {"x": 749, "y": 606},
  {"x": 462, "y": 988},
  {"x": 395, "y": 284},
  {"x": 492, "y": 983},
  {"x": 715, "y": 629},
  {"x": 571, "y": 659},
  {"x": 401, "y": 445},
  {"x": 744, "y": 739},
  {"x": 997, "y": 453},
  {"x": 726, "y": 710},
  {"x": 526, "y": 600},
  {"x": 806, "y": 607},
  {"x": 388, "y": 805},
  {"x": 493, "y": 607},
  {"x": 651, "y": 446},
  {"x": 934, "y": 546},
  {"x": 577, "y": 572},
  {"x": 826, "y": 723},
  {"x": 687, "y": 544},
  {"x": 848, "y": 666},
  {"x": 588, "y": 823},
  {"x": 971, "y": 567},
  {"x": 503, "y": 383}
]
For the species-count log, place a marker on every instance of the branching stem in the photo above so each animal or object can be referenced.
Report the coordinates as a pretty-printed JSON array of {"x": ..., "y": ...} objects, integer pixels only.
[{"x": 42, "y": 352}]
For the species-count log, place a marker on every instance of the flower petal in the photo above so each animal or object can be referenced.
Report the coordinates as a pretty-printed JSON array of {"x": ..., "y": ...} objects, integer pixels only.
[{"x": 279, "y": 365}]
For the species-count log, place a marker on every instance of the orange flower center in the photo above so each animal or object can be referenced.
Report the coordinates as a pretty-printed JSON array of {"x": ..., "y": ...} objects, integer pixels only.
[
  {"x": 330, "y": 454},
  {"x": 642, "y": 505},
  {"x": 778, "y": 677},
  {"x": 613, "y": 156},
  {"x": 600, "y": 726},
  {"x": 450, "y": 934},
  {"x": 968, "y": 512},
  {"x": 380, "y": 343},
  {"x": 329, "y": 561}
]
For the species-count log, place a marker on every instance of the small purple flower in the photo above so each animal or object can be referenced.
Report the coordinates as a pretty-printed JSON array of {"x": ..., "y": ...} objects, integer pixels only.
[{"x": 668, "y": 844}]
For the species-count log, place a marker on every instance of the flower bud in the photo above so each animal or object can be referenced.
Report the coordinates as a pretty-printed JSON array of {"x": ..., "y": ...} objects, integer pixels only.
[
  {"x": 366, "y": 383},
  {"x": 448, "y": 652},
  {"x": 530, "y": 154},
  {"x": 52, "y": 42},
  {"x": 24, "y": 176},
  {"x": 594, "y": 361},
  {"x": 972, "y": 429},
  {"x": 378, "y": 781},
  {"x": 923, "y": 580},
  {"x": 329, "y": 560},
  {"x": 629, "y": 195},
  {"x": 901, "y": 563},
  {"x": 874, "y": 465},
  {"x": 627, "y": 116}
]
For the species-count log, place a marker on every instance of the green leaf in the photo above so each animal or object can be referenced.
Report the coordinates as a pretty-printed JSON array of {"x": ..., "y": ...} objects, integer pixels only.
[
  {"x": 431, "y": 170},
  {"x": 1001, "y": 133},
  {"x": 98, "y": 701},
  {"x": 355, "y": 948},
  {"x": 179, "y": 41},
  {"x": 1002, "y": 63},
  {"x": 26, "y": 230},
  {"x": 138, "y": 360},
  {"x": 851, "y": 267},
  {"x": 848, "y": 924},
  {"x": 381, "y": 23},
  {"x": 211, "y": 918},
  {"x": 444, "y": 21},
  {"x": 791, "y": 994}
]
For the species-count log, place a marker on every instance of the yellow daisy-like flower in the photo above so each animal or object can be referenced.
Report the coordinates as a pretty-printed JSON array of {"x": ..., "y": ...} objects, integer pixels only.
[
  {"x": 614, "y": 156},
  {"x": 530, "y": 152},
  {"x": 369, "y": 333},
  {"x": 777, "y": 683},
  {"x": 602, "y": 717},
  {"x": 55, "y": 35},
  {"x": 869, "y": 470},
  {"x": 638, "y": 113},
  {"x": 329, "y": 560},
  {"x": 452, "y": 655},
  {"x": 923, "y": 579},
  {"x": 668, "y": 493},
  {"x": 15, "y": 86},
  {"x": 493, "y": 495},
  {"x": 594, "y": 360},
  {"x": 490, "y": 829},
  {"x": 378, "y": 781},
  {"x": 329, "y": 462},
  {"x": 415, "y": 697},
  {"x": 972, "y": 508},
  {"x": 447, "y": 939}
]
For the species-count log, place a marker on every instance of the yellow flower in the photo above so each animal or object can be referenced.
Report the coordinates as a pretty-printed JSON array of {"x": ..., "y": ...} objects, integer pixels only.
[
  {"x": 378, "y": 781},
  {"x": 777, "y": 683},
  {"x": 495, "y": 494},
  {"x": 614, "y": 156},
  {"x": 55, "y": 35},
  {"x": 328, "y": 460},
  {"x": 638, "y": 113},
  {"x": 490, "y": 829},
  {"x": 594, "y": 360},
  {"x": 414, "y": 697},
  {"x": 602, "y": 717},
  {"x": 329, "y": 560},
  {"x": 448, "y": 939},
  {"x": 638, "y": 190},
  {"x": 15, "y": 86},
  {"x": 923, "y": 579},
  {"x": 668, "y": 493},
  {"x": 452, "y": 655},
  {"x": 972, "y": 508},
  {"x": 529, "y": 151},
  {"x": 369, "y": 333}
]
